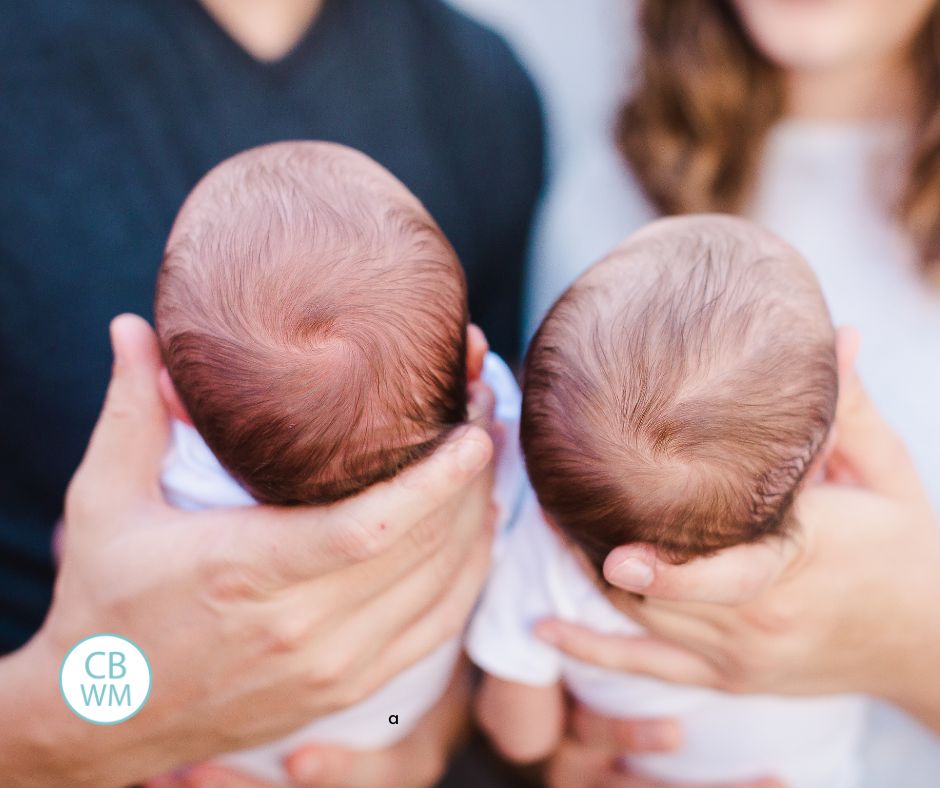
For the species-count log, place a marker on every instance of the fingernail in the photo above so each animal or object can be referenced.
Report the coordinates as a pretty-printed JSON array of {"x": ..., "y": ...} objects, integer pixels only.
[
  {"x": 471, "y": 456},
  {"x": 306, "y": 767},
  {"x": 632, "y": 574}
]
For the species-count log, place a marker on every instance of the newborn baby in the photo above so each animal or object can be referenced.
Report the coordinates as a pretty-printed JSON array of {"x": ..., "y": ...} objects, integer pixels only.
[
  {"x": 313, "y": 321},
  {"x": 678, "y": 394}
]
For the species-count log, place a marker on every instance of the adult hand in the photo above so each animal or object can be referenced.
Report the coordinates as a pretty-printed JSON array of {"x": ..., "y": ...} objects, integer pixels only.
[
  {"x": 595, "y": 752},
  {"x": 846, "y": 604},
  {"x": 254, "y": 620},
  {"x": 418, "y": 760}
]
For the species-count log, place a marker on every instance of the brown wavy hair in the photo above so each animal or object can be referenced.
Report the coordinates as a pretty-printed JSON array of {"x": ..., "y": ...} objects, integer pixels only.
[{"x": 695, "y": 126}]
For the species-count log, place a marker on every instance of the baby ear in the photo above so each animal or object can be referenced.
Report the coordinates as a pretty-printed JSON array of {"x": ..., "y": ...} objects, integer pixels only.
[
  {"x": 171, "y": 399},
  {"x": 477, "y": 348}
]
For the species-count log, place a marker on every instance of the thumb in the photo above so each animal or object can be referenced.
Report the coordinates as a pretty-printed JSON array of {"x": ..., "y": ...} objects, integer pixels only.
[
  {"x": 123, "y": 458},
  {"x": 733, "y": 576}
]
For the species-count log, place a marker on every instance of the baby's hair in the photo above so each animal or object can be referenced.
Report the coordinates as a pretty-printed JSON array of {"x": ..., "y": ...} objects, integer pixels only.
[
  {"x": 678, "y": 392},
  {"x": 313, "y": 320}
]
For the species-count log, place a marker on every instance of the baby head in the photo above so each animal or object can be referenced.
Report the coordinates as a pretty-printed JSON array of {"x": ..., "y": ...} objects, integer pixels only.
[
  {"x": 679, "y": 392},
  {"x": 313, "y": 322}
]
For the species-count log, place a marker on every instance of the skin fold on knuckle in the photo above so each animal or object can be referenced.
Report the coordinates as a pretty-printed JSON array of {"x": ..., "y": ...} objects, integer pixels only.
[
  {"x": 286, "y": 633},
  {"x": 431, "y": 534},
  {"x": 773, "y": 617},
  {"x": 226, "y": 582},
  {"x": 358, "y": 539},
  {"x": 330, "y": 669},
  {"x": 751, "y": 666},
  {"x": 726, "y": 675}
]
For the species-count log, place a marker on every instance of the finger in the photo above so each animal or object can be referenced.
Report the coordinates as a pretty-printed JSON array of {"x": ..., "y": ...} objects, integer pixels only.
[
  {"x": 211, "y": 775},
  {"x": 680, "y": 630},
  {"x": 732, "y": 576},
  {"x": 632, "y": 736},
  {"x": 698, "y": 626},
  {"x": 434, "y": 547},
  {"x": 289, "y": 545},
  {"x": 870, "y": 447},
  {"x": 574, "y": 765},
  {"x": 127, "y": 446},
  {"x": 444, "y": 620},
  {"x": 338, "y": 766},
  {"x": 452, "y": 581},
  {"x": 628, "y": 654}
]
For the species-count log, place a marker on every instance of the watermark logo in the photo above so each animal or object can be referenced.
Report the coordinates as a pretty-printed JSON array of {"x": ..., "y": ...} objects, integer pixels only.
[{"x": 105, "y": 679}]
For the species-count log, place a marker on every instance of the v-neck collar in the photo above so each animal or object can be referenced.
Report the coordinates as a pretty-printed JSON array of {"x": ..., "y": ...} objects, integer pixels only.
[{"x": 289, "y": 60}]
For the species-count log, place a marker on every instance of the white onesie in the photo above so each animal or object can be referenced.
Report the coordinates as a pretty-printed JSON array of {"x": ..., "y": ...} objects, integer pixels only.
[
  {"x": 194, "y": 479},
  {"x": 806, "y": 742}
]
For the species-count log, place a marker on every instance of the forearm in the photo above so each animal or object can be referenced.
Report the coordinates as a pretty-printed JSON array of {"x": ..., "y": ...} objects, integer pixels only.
[{"x": 916, "y": 689}]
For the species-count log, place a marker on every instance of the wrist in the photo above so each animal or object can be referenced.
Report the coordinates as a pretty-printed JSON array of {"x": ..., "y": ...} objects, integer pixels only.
[
  {"x": 909, "y": 674},
  {"x": 43, "y": 742},
  {"x": 916, "y": 684}
]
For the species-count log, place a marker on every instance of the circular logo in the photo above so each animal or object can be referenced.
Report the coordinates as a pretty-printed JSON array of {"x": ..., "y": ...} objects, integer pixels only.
[{"x": 105, "y": 679}]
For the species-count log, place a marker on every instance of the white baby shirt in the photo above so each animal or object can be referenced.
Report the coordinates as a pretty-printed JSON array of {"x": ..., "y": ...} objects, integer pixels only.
[
  {"x": 807, "y": 742},
  {"x": 193, "y": 479}
]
